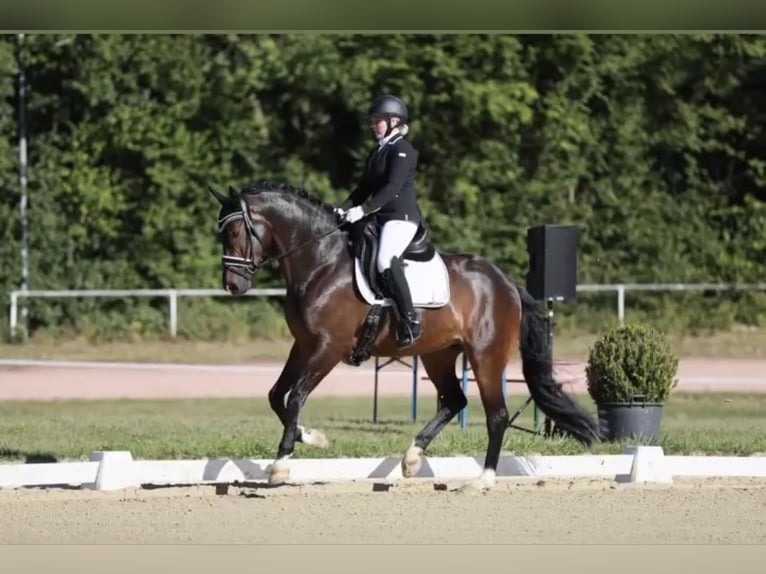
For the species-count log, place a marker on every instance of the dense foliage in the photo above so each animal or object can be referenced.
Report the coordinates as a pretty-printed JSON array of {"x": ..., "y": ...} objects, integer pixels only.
[
  {"x": 653, "y": 146},
  {"x": 631, "y": 362}
]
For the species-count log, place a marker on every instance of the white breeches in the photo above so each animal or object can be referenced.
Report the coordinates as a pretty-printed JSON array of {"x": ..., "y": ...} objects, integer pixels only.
[{"x": 395, "y": 236}]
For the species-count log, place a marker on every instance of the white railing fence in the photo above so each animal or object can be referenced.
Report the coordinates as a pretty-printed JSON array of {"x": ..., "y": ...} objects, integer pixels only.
[
  {"x": 622, "y": 288},
  {"x": 173, "y": 294}
]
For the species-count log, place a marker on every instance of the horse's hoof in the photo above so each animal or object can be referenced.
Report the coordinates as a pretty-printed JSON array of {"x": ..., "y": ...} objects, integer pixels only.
[
  {"x": 474, "y": 487},
  {"x": 279, "y": 473},
  {"x": 412, "y": 461},
  {"x": 314, "y": 438},
  {"x": 480, "y": 485},
  {"x": 477, "y": 486}
]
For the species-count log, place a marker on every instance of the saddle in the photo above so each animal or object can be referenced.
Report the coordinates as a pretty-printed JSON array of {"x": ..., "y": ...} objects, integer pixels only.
[{"x": 365, "y": 240}]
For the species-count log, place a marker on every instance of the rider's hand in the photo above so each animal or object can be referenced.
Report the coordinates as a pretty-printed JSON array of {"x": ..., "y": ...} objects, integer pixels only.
[
  {"x": 354, "y": 214},
  {"x": 339, "y": 213}
]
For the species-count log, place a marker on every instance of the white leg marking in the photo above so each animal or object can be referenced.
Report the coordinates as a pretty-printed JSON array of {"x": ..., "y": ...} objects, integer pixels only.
[
  {"x": 488, "y": 477},
  {"x": 313, "y": 437},
  {"x": 280, "y": 471},
  {"x": 412, "y": 461},
  {"x": 479, "y": 485}
]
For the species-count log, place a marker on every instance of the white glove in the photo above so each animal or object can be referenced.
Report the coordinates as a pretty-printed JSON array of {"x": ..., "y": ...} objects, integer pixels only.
[
  {"x": 339, "y": 213},
  {"x": 354, "y": 214}
]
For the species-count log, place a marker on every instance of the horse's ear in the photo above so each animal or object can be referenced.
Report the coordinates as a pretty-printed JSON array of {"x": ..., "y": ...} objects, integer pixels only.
[
  {"x": 219, "y": 196},
  {"x": 233, "y": 192}
]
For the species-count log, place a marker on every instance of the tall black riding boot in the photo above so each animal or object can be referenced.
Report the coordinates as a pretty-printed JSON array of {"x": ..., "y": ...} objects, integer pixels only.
[{"x": 408, "y": 322}]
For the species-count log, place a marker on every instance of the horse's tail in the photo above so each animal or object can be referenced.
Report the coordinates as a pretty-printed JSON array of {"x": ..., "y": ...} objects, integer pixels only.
[{"x": 537, "y": 366}]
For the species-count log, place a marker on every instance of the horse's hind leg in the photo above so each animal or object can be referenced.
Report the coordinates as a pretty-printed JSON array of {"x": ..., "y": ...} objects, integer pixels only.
[
  {"x": 440, "y": 367},
  {"x": 488, "y": 365}
]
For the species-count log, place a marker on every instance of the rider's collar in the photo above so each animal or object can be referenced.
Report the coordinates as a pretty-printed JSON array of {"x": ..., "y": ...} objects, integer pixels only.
[{"x": 388, "y": 138}]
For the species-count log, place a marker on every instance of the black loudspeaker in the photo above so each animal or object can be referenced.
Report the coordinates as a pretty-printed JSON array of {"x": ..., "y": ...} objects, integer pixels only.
[{"x": 552, "y": 262}]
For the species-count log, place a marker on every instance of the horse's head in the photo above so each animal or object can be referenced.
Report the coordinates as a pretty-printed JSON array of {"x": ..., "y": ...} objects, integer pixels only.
[{"x": 246, "y": 240}]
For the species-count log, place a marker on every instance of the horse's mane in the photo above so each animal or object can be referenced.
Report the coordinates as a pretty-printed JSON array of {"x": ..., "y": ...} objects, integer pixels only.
[{"x": 268, "y": 185}]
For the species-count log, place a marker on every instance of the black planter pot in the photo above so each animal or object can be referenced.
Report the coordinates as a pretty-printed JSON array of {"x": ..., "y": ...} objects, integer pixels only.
[{"x": 634, "y": 420}]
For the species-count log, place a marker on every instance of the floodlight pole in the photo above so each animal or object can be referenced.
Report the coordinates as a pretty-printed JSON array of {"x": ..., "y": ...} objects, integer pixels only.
[{"x": 23, "y": 181}]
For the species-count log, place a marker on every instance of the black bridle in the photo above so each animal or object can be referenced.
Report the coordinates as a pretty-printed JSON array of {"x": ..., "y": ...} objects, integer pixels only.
[{"x": 248, "y": 263}]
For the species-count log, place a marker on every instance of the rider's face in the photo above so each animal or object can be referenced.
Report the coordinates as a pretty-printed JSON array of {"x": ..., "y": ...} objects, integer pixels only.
[{"x": 380, "y": 126}]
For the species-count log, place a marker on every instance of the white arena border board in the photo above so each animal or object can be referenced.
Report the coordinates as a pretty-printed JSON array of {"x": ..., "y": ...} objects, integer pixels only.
[{"x": 112, "y": 470}]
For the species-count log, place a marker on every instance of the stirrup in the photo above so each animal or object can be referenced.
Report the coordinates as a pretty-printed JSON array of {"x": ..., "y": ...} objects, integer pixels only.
[
  {"x": 408, "y": 328},
  {"x": 407, "y": 332}
]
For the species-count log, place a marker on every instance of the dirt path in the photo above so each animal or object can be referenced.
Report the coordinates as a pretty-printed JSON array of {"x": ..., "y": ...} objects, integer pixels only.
[
  {"x": 518, "y": 511},
  {"x": 58, "y": 381}
]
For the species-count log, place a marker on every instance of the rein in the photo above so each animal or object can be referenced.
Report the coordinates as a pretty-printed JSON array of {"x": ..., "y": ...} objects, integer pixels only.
[{"x": 248, "y": 262}]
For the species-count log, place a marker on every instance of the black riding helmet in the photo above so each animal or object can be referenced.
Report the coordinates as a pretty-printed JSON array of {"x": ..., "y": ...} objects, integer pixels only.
[{"x": 389, "y": 106}]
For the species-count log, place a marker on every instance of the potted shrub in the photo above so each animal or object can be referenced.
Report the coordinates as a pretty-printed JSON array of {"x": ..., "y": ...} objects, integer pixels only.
[{"x": 630, "y": 373}]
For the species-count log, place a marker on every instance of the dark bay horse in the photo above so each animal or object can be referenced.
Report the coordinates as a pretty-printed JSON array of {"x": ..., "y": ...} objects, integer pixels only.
[{"x": 487, "y": 317}]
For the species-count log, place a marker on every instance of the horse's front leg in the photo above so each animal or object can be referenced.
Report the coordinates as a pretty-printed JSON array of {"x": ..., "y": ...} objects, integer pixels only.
[
  {"x": 310, "y": 373},
  {"x": 288, "y": 377}
]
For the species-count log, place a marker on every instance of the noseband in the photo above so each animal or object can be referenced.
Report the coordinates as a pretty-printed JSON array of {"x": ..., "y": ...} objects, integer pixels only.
[{"x": 248, "y": 263}]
